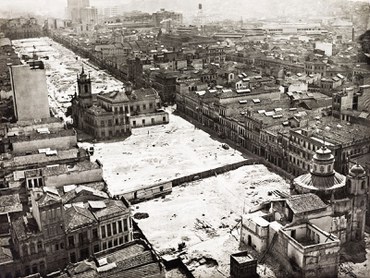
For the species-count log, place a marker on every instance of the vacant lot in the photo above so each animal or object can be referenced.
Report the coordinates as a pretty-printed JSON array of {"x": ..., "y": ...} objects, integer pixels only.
[
  {"x": 202, "y": 214},
  {"x": 160, "y": 153}
]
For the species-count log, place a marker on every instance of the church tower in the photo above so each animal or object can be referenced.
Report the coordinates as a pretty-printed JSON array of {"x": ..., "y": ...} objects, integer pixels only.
[
  {"x": 84, "y": 89},
  {"x": 357, "y": 190}
]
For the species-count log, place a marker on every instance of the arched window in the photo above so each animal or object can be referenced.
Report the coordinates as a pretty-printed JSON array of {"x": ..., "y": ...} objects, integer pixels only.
[{"x": 362, "y": 185}]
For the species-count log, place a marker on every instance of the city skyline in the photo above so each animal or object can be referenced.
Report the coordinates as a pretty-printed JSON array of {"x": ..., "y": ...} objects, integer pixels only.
[{"x": 245, "y": 9}]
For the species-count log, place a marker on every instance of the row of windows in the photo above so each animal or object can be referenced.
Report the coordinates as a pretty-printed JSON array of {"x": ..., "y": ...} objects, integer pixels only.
[
  {"x": 114, "y": 228},
  {"x": 112, "y": 243},
  {"x": 121, "y": 109},
  {"x": 34, "y": 182},
  {"x": 31, "y": 248}
]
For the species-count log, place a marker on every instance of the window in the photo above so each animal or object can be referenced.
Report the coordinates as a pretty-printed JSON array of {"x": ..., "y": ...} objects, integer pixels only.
[
  {"x": 121, "y": 240},
  {"x": 103, "y": 235},
  {"x": 144, "y": 106},
  {"x": 143, "y": 121},
  {"x": 109, "y": 230},
  {"x": 82, "y": 237},
  {"x": 109, "y": 122},
  {"x": 102, "y": 123},
  {"x": 104, "y": 245},
  {"x": 126, "y": 238},
  {"x": 56, "y": 247},
  {"x": 95, "y": 233},
  {"x": 25, "y": 250},
  {"x": 32, "y": 248},
  {"x": 61, "y": 245},
  {"x": 119, "y": 226},
  {"x": 117, "y": 122},
  {"x": 115, "y": 242},
  {"x": 125, "y": 228},
  {"x": 110, "y": 244},
  {"x": 164, "y": 119},
  {"x": 29, "y": 184},
  {"x": 161, "y": 188},
  {"x": 96, "y": 248},
  {"x": 71, "y": 241},
  {"x": 114, "y": 228},
  {"x": 39, "y": 246},
  {"x": 153, "y": 121},
  {"x": 134, "y": 123}
]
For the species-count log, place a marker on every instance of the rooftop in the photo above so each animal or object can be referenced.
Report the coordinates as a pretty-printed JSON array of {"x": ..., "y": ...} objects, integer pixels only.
[
  {"x": 305, "y": 203},
  {"x": 336, "y": 131},
  {"x": 67, "y": 168},
  {"x": 10, "y": 203},
  {"x": 25, "y": 227},
  {"x": 77, "y": 217},
  {"x": 111, "y": 208}
]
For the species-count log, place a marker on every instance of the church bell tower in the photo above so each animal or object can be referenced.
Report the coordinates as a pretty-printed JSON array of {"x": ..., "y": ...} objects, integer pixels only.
[{"x": 84, "y": 89}]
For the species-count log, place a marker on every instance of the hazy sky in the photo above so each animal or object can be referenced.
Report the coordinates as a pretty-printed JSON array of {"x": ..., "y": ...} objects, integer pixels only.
[{"x": 57, "y": 7}]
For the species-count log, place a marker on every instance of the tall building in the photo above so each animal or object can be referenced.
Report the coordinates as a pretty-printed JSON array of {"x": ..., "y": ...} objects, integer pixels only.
[
  {"x": 30, "y": 93},
  {"x": 74, "y": 9},
  {"x": 89, "y": 15},
  {"x": 161, "y": 15}
]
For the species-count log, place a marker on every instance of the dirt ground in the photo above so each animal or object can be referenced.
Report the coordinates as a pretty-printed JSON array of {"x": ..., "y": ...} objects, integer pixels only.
[
  {"x": 202, "y": 215},
  {"x": 160, "y": 153}
]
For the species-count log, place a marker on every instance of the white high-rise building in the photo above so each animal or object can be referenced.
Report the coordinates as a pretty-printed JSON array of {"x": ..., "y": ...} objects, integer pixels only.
[{"x": 74, "y": 8}]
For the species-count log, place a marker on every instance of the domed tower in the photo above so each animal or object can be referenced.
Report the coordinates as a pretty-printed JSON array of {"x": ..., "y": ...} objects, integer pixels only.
[
  {"x": 357, "y": 190},
  {"x": 322, "y": 179},
  {"x": 322, "y": 169},
  {"x": 84, "y": 89}
]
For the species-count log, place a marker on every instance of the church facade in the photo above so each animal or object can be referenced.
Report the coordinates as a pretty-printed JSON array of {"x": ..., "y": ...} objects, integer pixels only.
[{"x": 306, "y": 230}]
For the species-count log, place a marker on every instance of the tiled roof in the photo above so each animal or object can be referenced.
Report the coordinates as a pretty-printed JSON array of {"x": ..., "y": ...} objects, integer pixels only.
[
  {"x": 143, "y": 94},
  {"x": 131, "y": 260},
  {"x": 315, "y": 183},
  {"x": 305, "y": 203},
  {"x": 48, "y": 199},
  {"x": 112, "y": 207},
  {"x": 5, "y": 254},
  {"x": 25, "y": 227},
  {"x": 10, "y": 203},
  {"x": 77, "y": 217},
  {"x": 83, "y": 190}
]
